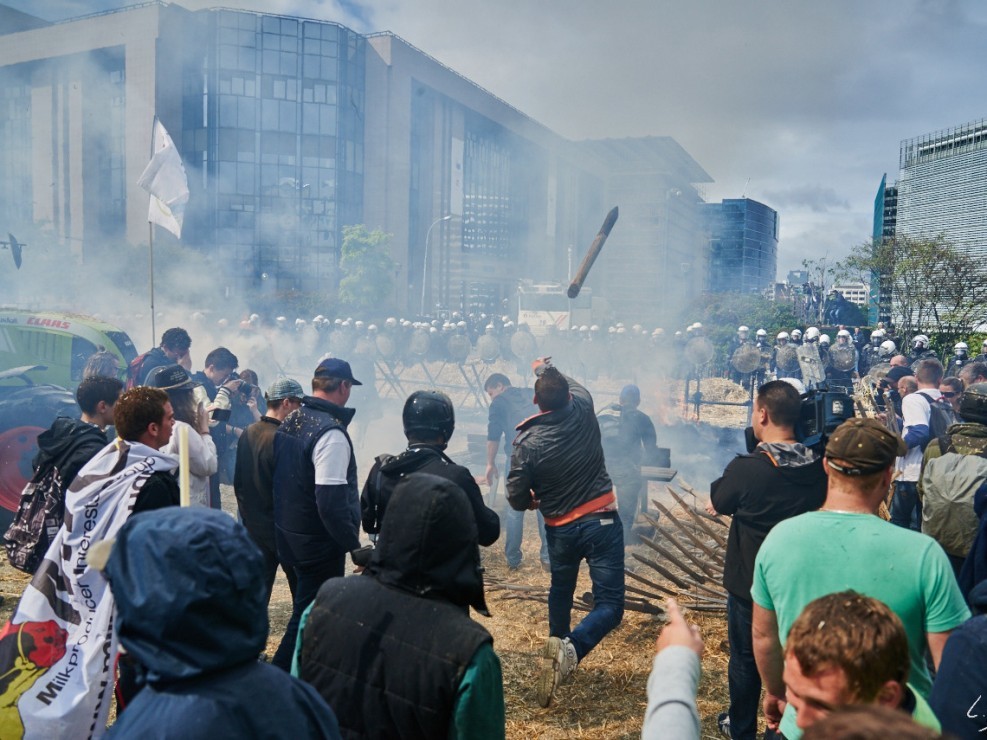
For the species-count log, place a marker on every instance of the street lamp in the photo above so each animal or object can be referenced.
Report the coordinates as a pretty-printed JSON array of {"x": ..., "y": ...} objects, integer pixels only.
[{"x": 425, "y": 260}]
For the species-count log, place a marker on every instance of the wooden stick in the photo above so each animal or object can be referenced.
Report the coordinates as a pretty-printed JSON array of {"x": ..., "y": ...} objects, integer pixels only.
[
  {"x": 675, "y": 561},
  {"x": 682, "y": 528},
  {"x": 662, "y": 570},
  {"x": 653, "y": 520},
  {"x": 697, "y": 519},
  {"x": 648, "y": 582}
]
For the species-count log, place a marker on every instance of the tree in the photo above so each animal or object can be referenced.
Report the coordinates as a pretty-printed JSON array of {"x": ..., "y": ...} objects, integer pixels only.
[
  {"x": 722, "y": 313},
  {"x": 368, "y": 269},
  {"x": 935, "y": 288}
]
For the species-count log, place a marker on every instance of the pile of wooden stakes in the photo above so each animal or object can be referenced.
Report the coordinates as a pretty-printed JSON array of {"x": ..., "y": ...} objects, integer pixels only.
[
  {"x": 691, "y": 546},
  {"x": 685, "y": 560}
]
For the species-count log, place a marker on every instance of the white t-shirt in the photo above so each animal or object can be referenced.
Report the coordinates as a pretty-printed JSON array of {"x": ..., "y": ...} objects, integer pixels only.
[
  {"x": 331, "y": 458},
  {"x": 915, "y": 411}
]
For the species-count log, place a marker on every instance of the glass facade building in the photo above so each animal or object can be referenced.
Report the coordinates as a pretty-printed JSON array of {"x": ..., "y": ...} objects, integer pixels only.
[
  {"x": 273, "y": 122},
  {"x": 942, "y": 187},
  {"x": 743, "y": 246}
]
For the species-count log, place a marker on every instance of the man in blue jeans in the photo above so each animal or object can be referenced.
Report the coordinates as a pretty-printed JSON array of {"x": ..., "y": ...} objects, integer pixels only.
[
  {"x": 557, "y": 467},
  {"x": 916, "y": 412},
  {"x": 509, "y": 406}
]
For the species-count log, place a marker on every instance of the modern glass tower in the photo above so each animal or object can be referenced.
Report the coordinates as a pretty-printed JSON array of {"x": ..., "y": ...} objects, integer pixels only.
[
  {"x": 942, "y": 187},
  {"x": 743, "y": 246}
]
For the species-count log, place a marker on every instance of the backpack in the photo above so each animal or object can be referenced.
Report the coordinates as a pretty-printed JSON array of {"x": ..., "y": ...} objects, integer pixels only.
[
  {"x": 941, "y": 418},
  {"x": 949, "y": 484},
  {"x": 39, "y": 517},
  {"x": 134, "y": 370}
]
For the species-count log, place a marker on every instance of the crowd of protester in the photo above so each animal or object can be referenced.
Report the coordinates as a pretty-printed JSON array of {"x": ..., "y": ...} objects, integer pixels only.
[{"x": 850, "y": 625}]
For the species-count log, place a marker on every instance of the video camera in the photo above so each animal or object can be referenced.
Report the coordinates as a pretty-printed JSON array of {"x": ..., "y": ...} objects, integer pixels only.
[{"x": 822, "y": 412}]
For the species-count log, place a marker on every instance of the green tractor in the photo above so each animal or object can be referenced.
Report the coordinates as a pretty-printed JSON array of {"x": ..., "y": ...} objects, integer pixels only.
[{"x": 42, "y": 356}]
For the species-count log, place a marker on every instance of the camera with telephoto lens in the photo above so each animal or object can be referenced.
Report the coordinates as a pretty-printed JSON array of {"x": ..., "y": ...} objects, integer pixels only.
[
  {"x": 822, "y": 412},
  {"x": 245, "y": 391}
]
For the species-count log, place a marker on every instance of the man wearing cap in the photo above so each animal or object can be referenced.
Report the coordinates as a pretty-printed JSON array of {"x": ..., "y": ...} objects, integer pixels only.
[
  {"x": 845, "y": 545},
  {"x": 253, "y": 475},
  {"x": 316, "y": 494}
]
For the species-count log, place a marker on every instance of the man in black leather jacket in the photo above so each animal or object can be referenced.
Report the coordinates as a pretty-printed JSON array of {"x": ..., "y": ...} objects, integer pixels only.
[{"x": 558, "y": 467}]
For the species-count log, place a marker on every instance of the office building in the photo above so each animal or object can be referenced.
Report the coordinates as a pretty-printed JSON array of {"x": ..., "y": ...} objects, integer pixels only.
[
  {"x": 291, "y": 129},
  {"x": 942, "y": 187},
  {"x": 743, "y": 246}
]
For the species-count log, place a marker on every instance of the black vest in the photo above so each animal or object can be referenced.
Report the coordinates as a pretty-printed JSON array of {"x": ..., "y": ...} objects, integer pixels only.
[
  {"x": 387, "y": 662},
  {"x": 301, "y": 537}
]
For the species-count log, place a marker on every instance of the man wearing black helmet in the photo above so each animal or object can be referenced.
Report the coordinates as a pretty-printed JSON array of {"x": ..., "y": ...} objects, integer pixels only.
[{"x": 429, "y": 421}]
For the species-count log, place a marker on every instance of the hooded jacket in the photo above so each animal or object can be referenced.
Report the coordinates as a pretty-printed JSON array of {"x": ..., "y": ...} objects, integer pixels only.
[
  {"x": 558, "y": 456},
  {"x": 192, "y": 611},
  {"x": 388, "y": 472},
  {"x": 389, "y": 650},
  {"x": 68, "y": 445},
  {"x": 776, "y": 482}
]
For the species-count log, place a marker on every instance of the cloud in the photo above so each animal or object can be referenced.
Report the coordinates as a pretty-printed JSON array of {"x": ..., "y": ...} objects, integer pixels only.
[{"x": 816, "y": 198}]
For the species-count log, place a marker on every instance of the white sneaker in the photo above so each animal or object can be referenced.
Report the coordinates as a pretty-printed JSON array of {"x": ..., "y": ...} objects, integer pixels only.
[{"x": 558, "y": 662}]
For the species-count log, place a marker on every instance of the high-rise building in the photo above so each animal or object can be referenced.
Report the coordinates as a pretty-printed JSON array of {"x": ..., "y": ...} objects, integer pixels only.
[
  {"x": 942, "y": 187},
  {"x": 291, "y": 129},
  {"x": 885, "y": 222},
  {"x": 743, "y": 245}
]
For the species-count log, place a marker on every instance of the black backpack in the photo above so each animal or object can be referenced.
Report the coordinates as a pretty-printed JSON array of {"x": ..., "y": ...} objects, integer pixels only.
[
  {"x": 39, "y": 517},
  {"x": 941, "y": 418}
]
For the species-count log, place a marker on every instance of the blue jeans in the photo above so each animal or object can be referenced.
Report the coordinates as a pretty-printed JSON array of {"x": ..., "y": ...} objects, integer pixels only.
[
  {"x": 513, "y": 532},
  {"x": 600, "y": 542},
  {"x": 906, "y": 508},
  {"x": 309, "y": 579},
  {"x": 742, "y": 676}
]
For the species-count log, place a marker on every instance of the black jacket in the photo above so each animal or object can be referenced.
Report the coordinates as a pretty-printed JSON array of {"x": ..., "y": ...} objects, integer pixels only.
[
  {"x": 558, "y": 455},
  {"x": 253, "y": 480},
  {"x": 68, "y": 445},
  {"x": 191, "y": 606},
  {"x": 388, "y": 471},
  {"x": 758, "y": 494},
  {"x": 387, "y": 650}
]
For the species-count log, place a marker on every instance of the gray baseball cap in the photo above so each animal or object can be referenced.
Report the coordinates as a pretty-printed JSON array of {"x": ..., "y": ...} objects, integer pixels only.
[{"x": 284, "y": 388}]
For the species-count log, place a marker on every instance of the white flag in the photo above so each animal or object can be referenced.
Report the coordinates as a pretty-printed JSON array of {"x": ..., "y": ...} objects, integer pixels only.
[{"x": 164, "y": 178}]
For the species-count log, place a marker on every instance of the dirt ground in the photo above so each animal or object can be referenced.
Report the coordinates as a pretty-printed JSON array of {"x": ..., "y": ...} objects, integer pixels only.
[{"x": 606, "y": 698}]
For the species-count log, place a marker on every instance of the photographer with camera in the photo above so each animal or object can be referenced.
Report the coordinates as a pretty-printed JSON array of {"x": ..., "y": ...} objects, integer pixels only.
[
  {"x": 222, "y": 388},
  {"x": 779, "y": 479}
]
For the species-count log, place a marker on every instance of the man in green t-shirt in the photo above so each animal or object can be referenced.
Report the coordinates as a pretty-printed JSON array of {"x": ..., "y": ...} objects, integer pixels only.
[
  {"x": 844, "y": 546},
  {"x": 848, "y": 649}
]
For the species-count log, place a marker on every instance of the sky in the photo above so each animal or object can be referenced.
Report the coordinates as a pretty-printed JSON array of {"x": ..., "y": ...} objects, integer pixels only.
[{"x": 800, "y": 105}]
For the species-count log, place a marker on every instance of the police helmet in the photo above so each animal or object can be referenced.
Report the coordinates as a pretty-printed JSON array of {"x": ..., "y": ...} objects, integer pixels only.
[
  {"x": 887, "y": 348},
  {"x": 761, "y": 333},
  {"x": 960, "y": 348},
  {"x": 876, "y": 336},
  {"x": 428, "y": 414},
  {"x": 796, "y": 333},
  {"x": 973, "y": 403},
  {"x": 920, "y": 341},
  {"x": 743, "y": 330},
  {"x": 782, "y": 336},
  {"x": 811, "y": 334},
  {"x": 824, "y": 340},
  {"x": 843, "y": 334}
]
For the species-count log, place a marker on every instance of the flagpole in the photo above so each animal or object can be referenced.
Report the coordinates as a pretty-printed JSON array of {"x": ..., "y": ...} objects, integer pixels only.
[
  {"x": 150, "y": 241},
  {"x": 150, "y": 247}
]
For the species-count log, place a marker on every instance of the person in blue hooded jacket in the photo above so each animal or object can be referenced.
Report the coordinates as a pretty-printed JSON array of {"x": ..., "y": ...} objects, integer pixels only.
[{"x": 191, "y": 605}]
